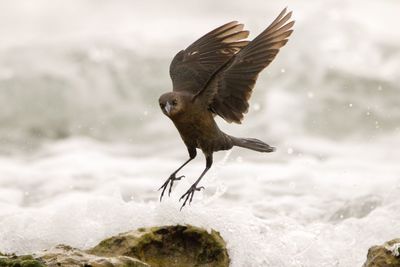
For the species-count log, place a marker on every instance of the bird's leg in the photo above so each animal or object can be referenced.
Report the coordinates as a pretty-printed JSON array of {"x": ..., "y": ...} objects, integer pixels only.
[
  {"x": 172, "y": 178},
  {"x": 188, "y": 196}
]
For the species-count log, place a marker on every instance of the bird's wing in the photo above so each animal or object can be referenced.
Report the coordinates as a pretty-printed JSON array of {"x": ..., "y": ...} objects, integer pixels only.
[
  {"x": 229, "y": 90},
  {"x": 191, "y": 68}
]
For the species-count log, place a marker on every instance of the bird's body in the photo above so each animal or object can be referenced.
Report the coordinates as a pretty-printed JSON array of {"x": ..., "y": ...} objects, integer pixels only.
[
  {"x": 198, "y": 129},
  {"x": 215, "y": 76}
]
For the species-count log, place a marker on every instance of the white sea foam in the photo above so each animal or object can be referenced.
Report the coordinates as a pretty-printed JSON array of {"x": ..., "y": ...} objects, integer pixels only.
[{"x": 302, "y": 210}]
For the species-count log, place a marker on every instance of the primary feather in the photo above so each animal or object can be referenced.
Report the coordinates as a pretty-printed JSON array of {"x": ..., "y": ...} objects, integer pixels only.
[{"x": 231, "y": 88}]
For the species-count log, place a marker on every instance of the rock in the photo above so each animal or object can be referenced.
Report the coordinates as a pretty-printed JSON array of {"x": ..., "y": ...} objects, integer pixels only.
[
  {"x": 387, "y": 255},
  {"x": 19, "y": 261},
  {"x": 67, "y": 256},
  {"x": 168, "y": 246}
]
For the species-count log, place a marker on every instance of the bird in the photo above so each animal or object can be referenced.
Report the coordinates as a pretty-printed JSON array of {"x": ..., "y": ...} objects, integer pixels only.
[{"x": 215, "y": 76}]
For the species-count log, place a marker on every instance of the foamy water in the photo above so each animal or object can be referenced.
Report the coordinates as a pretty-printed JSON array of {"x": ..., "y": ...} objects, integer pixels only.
[{"x": 84, "y": 146}]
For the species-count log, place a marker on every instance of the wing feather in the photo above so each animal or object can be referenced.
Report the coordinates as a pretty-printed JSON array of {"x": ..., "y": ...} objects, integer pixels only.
[
  {"x": 192, "y": 68},
  {"x": 228, "y": 91}
]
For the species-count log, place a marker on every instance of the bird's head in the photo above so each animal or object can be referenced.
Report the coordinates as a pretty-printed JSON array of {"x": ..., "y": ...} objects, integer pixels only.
[{"x": 171, "y": 104}]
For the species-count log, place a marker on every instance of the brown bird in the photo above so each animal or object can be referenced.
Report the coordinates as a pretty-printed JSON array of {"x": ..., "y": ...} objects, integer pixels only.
[{"x": 215, "y": 76}]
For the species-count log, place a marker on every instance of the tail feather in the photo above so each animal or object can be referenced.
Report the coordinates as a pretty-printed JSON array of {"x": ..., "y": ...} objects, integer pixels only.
[{"x": 253, "y": 144}]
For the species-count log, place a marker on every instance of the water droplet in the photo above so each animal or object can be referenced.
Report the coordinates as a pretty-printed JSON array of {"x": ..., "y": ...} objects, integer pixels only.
[
  {"x": 290, "y": 151},
  {"x": 310, "y": 95},
  {"x": 283, "y": 70},
  {"x": 351, "y": 105},
  {"x": 256, "y": 106}
]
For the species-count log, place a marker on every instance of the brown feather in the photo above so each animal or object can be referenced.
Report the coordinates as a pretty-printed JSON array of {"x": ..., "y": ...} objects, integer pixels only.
[
  {"x": 229, "y": 90},
  {"x": 192, "y": 68}
]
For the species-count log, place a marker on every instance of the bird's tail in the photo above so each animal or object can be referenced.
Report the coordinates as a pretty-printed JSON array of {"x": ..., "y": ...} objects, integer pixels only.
[{"x": 253, "y": 144}]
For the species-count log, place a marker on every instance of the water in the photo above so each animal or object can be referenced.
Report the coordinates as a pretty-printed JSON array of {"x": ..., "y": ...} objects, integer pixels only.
[{"x": 84, "y": 146}]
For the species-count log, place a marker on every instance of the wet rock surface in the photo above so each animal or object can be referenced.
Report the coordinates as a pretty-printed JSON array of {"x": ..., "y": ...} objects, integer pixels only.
[
  {"x": 63, "y": 255},
  {"x": 169, "y": 246},
  {"x": 19, "y": 261},
  {"x": 386, "y": 255}
]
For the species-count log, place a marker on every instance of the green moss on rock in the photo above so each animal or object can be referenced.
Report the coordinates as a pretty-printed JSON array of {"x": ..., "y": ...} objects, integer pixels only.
[
  {"x": 166, "y": 246},
  {"x": 21, "y": 261},
  {"x": 170, "y": 246},
  {"x": 66, "y": 256}
]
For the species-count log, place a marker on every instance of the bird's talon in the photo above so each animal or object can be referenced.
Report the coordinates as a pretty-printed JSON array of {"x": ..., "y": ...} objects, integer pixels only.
[
  {"x": 170, "y": 182},
  {"x": 189, "y": 195},
  {"x": 180, "y": 177}
]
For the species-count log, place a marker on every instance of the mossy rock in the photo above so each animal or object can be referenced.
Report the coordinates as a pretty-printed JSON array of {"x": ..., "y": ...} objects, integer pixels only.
[
  {"x": 386, "y": 255},
  {"x": 168, "y": 246},
  {"x": 67, "y": 256},
  {"x": 19, "y": 261}
]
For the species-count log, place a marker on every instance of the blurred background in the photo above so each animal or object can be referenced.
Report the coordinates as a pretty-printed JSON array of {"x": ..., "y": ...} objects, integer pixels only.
[{"x": 84, "y": 146}]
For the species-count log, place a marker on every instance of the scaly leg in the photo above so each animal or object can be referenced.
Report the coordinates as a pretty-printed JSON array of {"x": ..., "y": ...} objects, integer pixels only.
[
  {"x": 190, "y": 193},
  {"x": 172, "y": 178}
]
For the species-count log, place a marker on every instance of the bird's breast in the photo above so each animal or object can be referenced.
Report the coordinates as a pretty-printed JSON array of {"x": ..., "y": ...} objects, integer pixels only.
[{"x": 197, "y": 130}]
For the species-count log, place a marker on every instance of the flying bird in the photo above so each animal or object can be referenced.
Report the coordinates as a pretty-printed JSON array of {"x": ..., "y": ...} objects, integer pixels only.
[{"x": 215, "y": 76}]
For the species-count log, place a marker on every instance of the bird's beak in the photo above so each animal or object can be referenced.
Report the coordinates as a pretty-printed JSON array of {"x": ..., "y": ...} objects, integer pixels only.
[{"x": 168, "y": 107}]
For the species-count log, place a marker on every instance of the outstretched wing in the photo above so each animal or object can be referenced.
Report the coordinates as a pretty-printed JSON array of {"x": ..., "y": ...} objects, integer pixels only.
[
  {"x": 229, "y": 90},
  {"x": 192, "y": 68}
]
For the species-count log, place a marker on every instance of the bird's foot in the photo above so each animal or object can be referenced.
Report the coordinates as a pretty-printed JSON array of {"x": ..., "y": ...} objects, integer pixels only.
[
  {"x": 169, "y": 181},
  {"x": 188, "y": 196}
]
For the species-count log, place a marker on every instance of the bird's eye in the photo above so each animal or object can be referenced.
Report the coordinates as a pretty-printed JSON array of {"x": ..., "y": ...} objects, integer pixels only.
[
  {"x": 162, "y": 105},
  {"x": 174, "y": 103}
]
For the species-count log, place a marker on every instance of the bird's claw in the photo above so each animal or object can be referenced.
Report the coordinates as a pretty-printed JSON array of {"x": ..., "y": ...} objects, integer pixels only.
[
  {"x": 189, "y": 194},
  {"x": 169, "y": 181}
]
